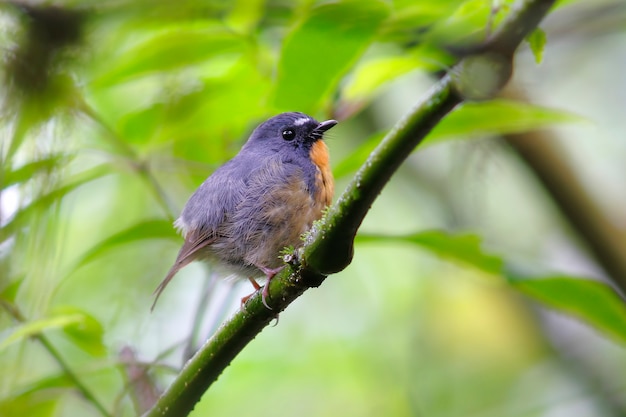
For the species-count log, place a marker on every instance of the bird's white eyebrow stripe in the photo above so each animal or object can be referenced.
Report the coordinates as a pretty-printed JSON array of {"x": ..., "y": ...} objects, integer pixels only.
[{"x": 301, "y": 121}]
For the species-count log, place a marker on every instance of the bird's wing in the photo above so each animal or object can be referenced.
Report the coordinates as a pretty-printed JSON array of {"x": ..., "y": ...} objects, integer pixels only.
[{"x": 204, "y": 214}]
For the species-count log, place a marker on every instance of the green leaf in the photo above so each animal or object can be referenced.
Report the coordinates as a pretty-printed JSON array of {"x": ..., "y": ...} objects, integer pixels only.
[
  {"x": 31, "y": 169},
  {"x": 139, "y": 126},
  {"x": 245, "y": 14},
  {"x": 537, "y": 42},
  {"x": 38, "y": 404},
  {"x": 35, "y": 327},
  {"x": 171, "y": 49},
  {"x": 411, "y": 20},
  {"x": 9, "y": 287},
  {"x": 372, "y": 74},
  {"x": 149, "y": 229},
  {"x": 45, "y": 201},
  {"x": 496, "y": 117},
  {"x": 317, "y": 53},
  {"x": 465, "y": 25},
  {"x": 54, "y": 382},
  {"x": 86, "y": 333},
  {"x": 592, "y": 301},
  {"x": 80, "y": 327},
  {"x": 465, "y": 248}
]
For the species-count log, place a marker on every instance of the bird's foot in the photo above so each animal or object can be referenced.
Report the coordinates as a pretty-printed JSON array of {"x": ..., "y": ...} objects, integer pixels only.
[{"x": 270, "y": 273}]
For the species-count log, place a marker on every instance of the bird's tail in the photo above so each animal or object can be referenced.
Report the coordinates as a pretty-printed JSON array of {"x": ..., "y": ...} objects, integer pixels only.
[{"x": 172, "y": 272}]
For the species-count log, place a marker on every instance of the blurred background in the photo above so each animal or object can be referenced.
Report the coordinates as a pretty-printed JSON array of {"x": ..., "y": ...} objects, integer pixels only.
[{"x": 112, "y": 113}]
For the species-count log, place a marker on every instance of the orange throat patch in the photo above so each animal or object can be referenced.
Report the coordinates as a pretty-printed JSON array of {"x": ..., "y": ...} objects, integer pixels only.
[{"x": 324, "y": 177}]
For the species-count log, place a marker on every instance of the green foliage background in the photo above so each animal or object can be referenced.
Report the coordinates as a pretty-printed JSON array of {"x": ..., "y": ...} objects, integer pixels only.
[{"x": 112, "y": 114}]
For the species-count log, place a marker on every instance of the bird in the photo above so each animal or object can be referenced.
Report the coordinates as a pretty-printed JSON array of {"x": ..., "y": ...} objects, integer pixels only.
[{"x": 259, "y": 202}]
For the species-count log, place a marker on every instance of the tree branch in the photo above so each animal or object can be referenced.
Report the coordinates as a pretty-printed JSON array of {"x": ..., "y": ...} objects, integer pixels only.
[{"x": 329, "y": 246}]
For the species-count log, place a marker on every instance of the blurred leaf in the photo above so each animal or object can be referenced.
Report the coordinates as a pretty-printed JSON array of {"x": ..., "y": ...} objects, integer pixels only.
[
  {"x": 464, "y": 248},
  {"x": 245, "y": 14},
  {"x": 317, "y": 53},
  {"x": 35, "y": 327},
  {"x": 139, "y": 126},
  {"x": 209, "y": 126},
  {"x": 9, "y": 290},
  {"x": 46, "y": 200},
  {"x": 537, "y": 42},
  {"x": 200, "y": 122},
  {"x": 29, "y": 170},
  {"x": 80, "y": 327},
  {"x": 372, "y": 74},
  {"x": 149, "y": 229},
  {"x": 411, "y": 20},
  {"x": 496, "y": 117},
  {"x": 174, "y": 48},
  {"x": 86, "y": 334},
  {"x": 52, "y": 382},
  {"x": 594, "y": 302},
  {"x": 464, "y": 25},
  {"x": 32, "y": 405}
]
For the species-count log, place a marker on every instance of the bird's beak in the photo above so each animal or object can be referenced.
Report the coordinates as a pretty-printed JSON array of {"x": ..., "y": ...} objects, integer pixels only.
[{"x": 324, "y": 126}]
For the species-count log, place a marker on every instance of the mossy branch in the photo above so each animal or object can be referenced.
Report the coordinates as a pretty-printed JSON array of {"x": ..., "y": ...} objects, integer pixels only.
[{"x": 329, "y": 246}]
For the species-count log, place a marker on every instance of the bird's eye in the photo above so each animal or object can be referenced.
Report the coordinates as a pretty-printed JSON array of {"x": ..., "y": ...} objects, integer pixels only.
[{"x": 289, "y": 134}]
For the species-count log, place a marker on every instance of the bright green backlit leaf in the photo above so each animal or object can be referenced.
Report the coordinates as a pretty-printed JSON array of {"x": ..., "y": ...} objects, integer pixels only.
[
  {"x": 496, "y": 117},
  {"x": 36, "y": 404},
  {"x": 86, "y": 333},
  {"x": 317, "y": 53},
  {"x": 592, "y": 301},
  {"x": 176, "y": 48},
  {"x": 371, "y": 75},
  {"x": 537, "y": 41},
  {"x": 11, "y": 287},
  {"x": 464, "y": 248},
  {"x": 245, "y": 14},
  {"x": 375, "y": 72},
  {"x": 139, "y": 126},
  {"x": 466, "y": 24},
  {"x": 410, "y": 22}
]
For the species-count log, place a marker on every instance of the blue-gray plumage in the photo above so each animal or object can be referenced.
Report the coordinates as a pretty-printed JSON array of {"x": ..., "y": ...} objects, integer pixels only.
[{"x": 260, "y": 201}]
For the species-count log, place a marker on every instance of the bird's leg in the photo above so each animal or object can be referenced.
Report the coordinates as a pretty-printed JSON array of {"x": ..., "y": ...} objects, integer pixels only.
[
  {"x": 247, "y": 297},
  {"x": 270, "y": 273}
]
